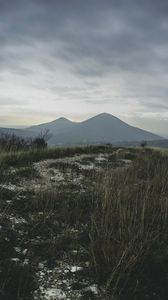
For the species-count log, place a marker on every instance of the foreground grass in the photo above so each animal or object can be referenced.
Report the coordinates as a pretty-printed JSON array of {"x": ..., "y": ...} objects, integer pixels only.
[
  {"x": 129, "y": 229},
  {"x": 119, "y": 220},
  {"x": 16, "y": 158}
]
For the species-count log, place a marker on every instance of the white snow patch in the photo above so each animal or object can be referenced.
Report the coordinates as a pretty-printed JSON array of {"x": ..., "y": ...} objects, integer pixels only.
[
  {"x": 92, "y": 288},
  {"x": 126, "y": 161},
  {"x": 15, "y": 259},
  {"x": 54, "y": 293},
  {"x": 101, "y": 158},
  {"x": 24, "y": 252},
  {"x": 17, "y": 249},
  {"x": 85, "y": 167},
  {"x": 15, "y": 220},
  {"x": 41, "y": 266},
  {"x": 11, "y": 187},
  {"x": 74, "y": 269},
  {"x": 26, "y": 261}
]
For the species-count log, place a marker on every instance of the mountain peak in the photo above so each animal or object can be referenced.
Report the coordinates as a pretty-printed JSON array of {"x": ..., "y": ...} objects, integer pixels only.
[
  {"x": 104, "y": 116},
  {"x": 53, "y": 126},
  {"x": 62, "y": 119}
]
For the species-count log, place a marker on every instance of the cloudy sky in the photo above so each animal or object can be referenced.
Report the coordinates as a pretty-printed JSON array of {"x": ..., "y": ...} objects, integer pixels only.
[{"x": 77, "y": 58}]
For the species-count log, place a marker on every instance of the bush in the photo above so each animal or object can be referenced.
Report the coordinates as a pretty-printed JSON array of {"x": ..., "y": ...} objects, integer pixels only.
[
  {"x": 39, "y": 143},
  {"x": 11, "y": 142}
]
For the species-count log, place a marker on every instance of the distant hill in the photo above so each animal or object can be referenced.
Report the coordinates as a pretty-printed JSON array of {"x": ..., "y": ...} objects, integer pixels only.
[
  {"x": 162, "y": 143},
  {"x": 18, "y": 132},
  {"x": 103, "y": 128}
]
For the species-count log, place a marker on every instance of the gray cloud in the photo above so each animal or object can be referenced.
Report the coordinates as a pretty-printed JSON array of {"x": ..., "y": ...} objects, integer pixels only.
[{"x": 105, "y": 51}]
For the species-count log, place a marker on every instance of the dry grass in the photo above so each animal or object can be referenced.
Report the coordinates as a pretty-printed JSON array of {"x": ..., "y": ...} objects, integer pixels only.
[
  {"x": 120, "y": 220},
  {"x": 129, "y": 226}
]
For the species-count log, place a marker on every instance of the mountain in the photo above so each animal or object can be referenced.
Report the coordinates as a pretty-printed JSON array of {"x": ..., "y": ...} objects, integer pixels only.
[
  {"x": 103, "y": 128},
  {"x": 54, "y": 127}
]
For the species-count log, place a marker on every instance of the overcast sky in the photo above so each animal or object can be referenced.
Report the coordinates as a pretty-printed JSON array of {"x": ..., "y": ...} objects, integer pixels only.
[{"x": 77, "y": 58}]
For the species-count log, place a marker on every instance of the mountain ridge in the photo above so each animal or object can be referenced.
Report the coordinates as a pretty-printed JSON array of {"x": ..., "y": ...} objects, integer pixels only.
[{"x": 101, "y": 128}]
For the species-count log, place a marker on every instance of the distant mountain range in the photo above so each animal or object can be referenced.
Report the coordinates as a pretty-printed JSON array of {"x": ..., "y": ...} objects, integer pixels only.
[{"x": 103, "y": 128}]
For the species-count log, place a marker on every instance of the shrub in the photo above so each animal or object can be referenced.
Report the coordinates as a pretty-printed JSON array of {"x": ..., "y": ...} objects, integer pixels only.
[
  {"x": 11, "y": 142},
  {"x": 39, "y": 143},
  {"x": 143, "y": 144}
]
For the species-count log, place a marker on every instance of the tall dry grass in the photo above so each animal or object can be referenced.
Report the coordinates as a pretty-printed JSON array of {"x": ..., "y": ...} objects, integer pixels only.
[
  {"x": 129, "y": 226},
  {"x": 26, "y": 157},
  {"x": 121, "y": 217}
]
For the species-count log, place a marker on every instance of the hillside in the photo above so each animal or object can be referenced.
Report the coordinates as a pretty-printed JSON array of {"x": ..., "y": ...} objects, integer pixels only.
[{"x": 84, "y": 223}]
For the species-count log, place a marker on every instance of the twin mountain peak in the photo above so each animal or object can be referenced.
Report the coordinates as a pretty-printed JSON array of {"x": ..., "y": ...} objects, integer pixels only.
[{"x": 102, "y": 128}]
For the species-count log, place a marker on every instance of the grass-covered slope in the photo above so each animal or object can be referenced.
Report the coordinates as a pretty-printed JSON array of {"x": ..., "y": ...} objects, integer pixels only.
[{"x": 84, "y": 223}]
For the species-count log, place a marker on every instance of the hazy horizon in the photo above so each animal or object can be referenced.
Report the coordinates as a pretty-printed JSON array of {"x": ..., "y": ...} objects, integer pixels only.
[
  {"x": 84, "y": 119},
  {"x": 77, "y": 59}
]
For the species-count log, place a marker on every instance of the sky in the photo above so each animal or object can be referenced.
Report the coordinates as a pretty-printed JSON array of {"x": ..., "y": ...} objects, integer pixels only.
[{"x": 76, "y": 59}]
